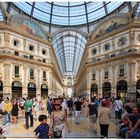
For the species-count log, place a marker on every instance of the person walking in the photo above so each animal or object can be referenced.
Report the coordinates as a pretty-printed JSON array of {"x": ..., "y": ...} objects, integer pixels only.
[
  {"x": 14, "y": 111},
  {"x": 42, "y": 130},
  {"x": 58, "y": 120},
  {"x": 118, "y": 108},
  {"x": 78, "y": 105},
  {"x": 104, "y": 115},
  {"x": 92, "y": 112},
  {"x": 28, "y": 113},
  {"x": 6, "y": 111},
  {"x": 35, "y": 109},
  {"x": 21, "y": 105}
]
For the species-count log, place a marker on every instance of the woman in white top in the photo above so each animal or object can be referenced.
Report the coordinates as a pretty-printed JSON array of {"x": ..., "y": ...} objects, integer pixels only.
[
  {"x": 35, "y": 109},
  {"x": 118, "y": 107}
]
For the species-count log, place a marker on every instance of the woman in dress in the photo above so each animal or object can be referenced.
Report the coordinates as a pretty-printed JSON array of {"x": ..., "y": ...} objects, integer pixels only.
[
  {"x": 14, "y": 111},
  {"x": 21, "y": 105},
  {"x": 58, "y": 120},
  {"x": 35, "y": 109}
]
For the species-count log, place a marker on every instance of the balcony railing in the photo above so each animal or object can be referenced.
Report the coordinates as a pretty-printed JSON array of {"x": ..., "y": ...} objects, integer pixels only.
[{"x": 109, "y": 56}]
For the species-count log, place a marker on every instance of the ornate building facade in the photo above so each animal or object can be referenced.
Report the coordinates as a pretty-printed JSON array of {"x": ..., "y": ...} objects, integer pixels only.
[
  {"x": 28, "y": 64},
  {"x": 111, "y": 60}
]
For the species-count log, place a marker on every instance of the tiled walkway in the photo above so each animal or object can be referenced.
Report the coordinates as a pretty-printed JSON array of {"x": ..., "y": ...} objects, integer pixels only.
[{"x": 81, "y": 130}]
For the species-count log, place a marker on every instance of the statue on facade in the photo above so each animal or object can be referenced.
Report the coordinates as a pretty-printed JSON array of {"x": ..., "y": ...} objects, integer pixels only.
[{"x": 8, "y": 17}]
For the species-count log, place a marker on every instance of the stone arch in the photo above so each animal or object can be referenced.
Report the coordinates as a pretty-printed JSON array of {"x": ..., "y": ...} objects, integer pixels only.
[
  {"x": 16, "y": 89},
  {"x": 31, "y": 90},
  {"x": 122, "y": 88},
  {"x": 44, "y": 90},
  {"x": 106, "y": 90}
]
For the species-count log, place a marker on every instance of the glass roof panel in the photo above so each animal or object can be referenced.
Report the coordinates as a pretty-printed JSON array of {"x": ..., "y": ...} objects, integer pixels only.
[
  {"x": 1, "y": 16},
  {"x": 77, "y": 11},
  {"x": 61, "y": 3},
  {"x": 24, "y": 6},
  {"x": 60, "y": 11},
  {"x": 45, "y": 7},
  {"x": 40, "y": 15},
  {"x": 60, "y": 20},
  {"x": 96, "y": 14},
  {"x": 93, "y": 6},
  {"x": 111, "y": 6},
  {"x": 77, "y": 20}
]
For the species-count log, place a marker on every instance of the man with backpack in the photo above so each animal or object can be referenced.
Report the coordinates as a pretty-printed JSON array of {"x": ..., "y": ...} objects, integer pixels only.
[{"x": 28, "y": 112}]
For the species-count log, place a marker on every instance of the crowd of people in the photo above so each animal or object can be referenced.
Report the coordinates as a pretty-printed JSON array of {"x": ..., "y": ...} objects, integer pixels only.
[{"x": 127, "y": 115}]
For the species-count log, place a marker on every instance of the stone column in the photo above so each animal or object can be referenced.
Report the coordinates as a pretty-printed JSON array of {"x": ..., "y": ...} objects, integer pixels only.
[
  {"x": 88, "y": 84},
  {"x": 113, "y": 78},
  {"x": 25, "y": 83},
  {"x": 132, "y": 73},
  {"x": 7, "y": 89},
  {"x": 50, "y": 83},
  {"x": 100, "y": 83},
  {"x": 38, "y": 89}
]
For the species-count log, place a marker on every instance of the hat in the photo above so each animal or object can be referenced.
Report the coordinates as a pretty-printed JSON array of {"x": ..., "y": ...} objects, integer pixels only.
[{"x": 57, "y": 101}]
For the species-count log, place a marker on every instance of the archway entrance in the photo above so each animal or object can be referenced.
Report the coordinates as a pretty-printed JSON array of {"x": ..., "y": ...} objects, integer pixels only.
[
  {"x": 16, "y": 89},
  {"x": 138, "y": 89},
  {"x": 1, "y": 89},
  {"x": 31, "y": 90},
  {"x": 44, "y": 90},
  {"x": 106, "y": 90},
  {"x": 94, "y": 90},
  {"x": 122, "y": 88}
]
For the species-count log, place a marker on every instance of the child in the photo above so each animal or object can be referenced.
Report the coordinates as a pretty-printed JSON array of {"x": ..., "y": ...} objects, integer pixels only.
[{"x": 42, "y": 131}]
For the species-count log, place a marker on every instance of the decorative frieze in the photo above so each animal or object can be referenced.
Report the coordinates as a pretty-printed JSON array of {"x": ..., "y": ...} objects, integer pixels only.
[
  {"x": 122, "y": 41},
  {"x": 6, "y": 37}
]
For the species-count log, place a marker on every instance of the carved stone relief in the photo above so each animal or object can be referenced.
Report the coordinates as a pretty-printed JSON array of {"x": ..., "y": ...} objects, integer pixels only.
[
  {"x": 6, "y": 37},
  {"x": 138, "y": 37},
  {"x": 122, "y": 41}
]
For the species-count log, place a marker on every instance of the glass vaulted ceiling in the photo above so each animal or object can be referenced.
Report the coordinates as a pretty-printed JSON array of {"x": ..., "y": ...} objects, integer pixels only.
[
  {"x": 67, "y": 13},
  {"x": 69, "y": 47}
]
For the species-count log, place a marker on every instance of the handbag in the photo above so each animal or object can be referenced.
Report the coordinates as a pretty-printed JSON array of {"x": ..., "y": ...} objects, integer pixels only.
[{"x": 57, "y": 134}]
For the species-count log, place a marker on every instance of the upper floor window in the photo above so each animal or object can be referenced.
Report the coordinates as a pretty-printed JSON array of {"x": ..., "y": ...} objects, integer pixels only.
[
  {"x": 44, "y": 75},
  {"x": 94, "y": 51},
  {"x": 44, "y": 52},
  {"x": 44, "y": 60},
  {"x": 16, "y": 71},
  {"x": 31, "y": 57},
  {"x": 121, "y": 70},
  {"x": 106, "y": 74},
  {"x": 93, "y": 76},
  {"x": 31, "y": 48},
  {"x": 122, "y": 41},
  {"x": 16, "y": 53},
  {"x": 31, "y": 73},
  {"x": 107, "y": 47},
  {"x": 16, "y": 43}
]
